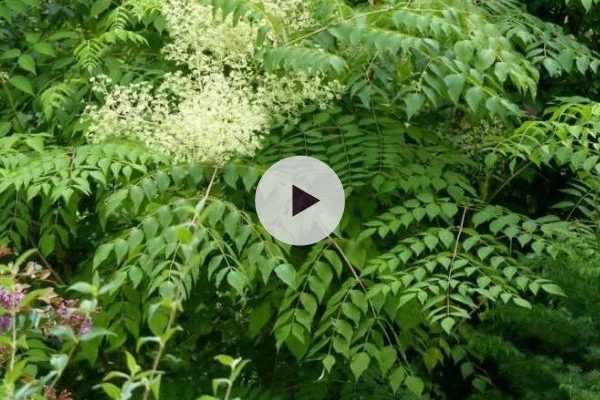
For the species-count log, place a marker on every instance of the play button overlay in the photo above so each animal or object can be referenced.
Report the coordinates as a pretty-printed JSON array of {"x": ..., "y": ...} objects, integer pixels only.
[{"x": 300, "y": 200}]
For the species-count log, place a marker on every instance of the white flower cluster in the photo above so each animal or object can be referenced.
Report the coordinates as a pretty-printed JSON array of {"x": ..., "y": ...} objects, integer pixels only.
[
  {"x": 203, "y": 42},
  {"x": 296, "y": 14},
  {"x": 285, "y": 95},
  {"x": 222, "y": 106},
  {"x": 202, "y": 119}
]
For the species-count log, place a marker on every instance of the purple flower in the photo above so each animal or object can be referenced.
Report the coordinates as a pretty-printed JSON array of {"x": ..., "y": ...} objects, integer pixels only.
[
  {"x": 62, "y": 310},
  {"x": 11, "y": 300},
  {"x": 67, "y": 314},
  {"x": 85, "y": 327},
  {"x": 5, "y": 322},
  {"x": 4, "y": 298}
]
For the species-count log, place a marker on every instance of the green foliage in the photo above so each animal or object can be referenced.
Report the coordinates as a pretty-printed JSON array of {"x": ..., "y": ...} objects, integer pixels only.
[
  {"x": 564, "y": 362},
  {"x": 471, "y": 215}
]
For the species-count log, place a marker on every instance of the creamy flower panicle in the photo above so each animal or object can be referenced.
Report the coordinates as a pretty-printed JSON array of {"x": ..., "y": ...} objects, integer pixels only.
[
  {"x": 203, "y": 42},
  {"x": 296, "y": 13},
  {"x": 200, "y": 119},
  {"x": 225, "y": 102}
]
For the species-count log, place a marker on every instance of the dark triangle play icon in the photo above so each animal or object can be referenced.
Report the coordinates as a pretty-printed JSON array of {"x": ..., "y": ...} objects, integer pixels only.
[{"x": 301, "y": 200}]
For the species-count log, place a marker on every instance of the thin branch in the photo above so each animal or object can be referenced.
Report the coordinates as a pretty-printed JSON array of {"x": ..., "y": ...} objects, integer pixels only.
[
  {"x": 364, "y": 288},
  {"x": 454, "y": 255},
  {"x": 173, "y": 313},
  {"x": 49, "y": 267},
  {"x": 509, "y": 180}
]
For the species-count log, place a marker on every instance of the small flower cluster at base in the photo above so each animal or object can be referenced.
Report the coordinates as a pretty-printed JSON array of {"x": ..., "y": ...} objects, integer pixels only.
[
  {"x": 66, "y": 313},
  {"x": 10, "y": 300},
  {"x": 51, "y": 394},
  {"x": 5, "y": 323}
]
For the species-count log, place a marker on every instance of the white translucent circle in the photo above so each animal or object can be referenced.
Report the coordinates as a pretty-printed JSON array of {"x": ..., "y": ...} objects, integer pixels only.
[{"x": 274, "y": 202}]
